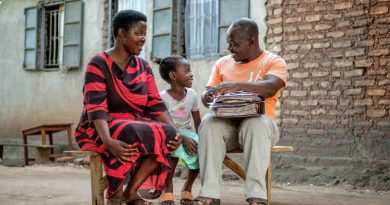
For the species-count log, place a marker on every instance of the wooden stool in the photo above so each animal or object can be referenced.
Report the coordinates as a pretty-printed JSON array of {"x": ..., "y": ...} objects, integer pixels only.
[
  {"x": 241, "y": 173},
  {"x": 42, "y": 152},
  {"x": 98, "y": 182},
  {"x": 43, "y": 130}
]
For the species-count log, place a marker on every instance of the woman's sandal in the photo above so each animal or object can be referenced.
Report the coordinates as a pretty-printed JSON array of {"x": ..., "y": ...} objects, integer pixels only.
[
  {"x": 186, "y": 198},
  {"x": 167, "y": 199},
  {"x": 200, "y": 200},
  {"x": 257, "y": 201}
]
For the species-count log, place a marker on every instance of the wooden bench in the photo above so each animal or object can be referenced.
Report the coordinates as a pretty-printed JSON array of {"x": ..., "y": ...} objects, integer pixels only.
[
  {"x": 42, "y": 152},
  {"x": 44, "y": 130},
  {"x": 98, "y": 182},
  {"x": 231, "y": 164}
]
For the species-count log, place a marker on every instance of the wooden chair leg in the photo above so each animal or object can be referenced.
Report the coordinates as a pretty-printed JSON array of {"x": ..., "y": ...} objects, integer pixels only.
[
  {"x": 96, "y": 176},
  {"x": 25, "y": 148},
  {"x": 268, "y": 177},
  {"x": 1, "y": 152}
]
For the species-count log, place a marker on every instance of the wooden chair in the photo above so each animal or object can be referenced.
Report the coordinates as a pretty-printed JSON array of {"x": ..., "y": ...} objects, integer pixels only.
[
  {"x": 98, "y": 182},
  {"x": 231, "y": 164}
]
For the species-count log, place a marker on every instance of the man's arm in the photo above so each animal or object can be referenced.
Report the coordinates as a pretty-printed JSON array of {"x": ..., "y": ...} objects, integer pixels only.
[{"x": 267, "y": 87}]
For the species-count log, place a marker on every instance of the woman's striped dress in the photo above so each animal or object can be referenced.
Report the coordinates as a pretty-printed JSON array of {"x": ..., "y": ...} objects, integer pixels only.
[{"x": 130, "y": 102}]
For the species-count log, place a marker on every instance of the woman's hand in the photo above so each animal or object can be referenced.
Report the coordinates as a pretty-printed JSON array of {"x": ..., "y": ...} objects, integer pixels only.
[
  {"x": 122, "y": 150},
  {"x": 174, "y": 144},
  {"x": 190, "y": 145}
]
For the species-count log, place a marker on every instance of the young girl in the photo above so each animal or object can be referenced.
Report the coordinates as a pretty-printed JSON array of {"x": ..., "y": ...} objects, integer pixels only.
[{"x": 182, "y": 103}]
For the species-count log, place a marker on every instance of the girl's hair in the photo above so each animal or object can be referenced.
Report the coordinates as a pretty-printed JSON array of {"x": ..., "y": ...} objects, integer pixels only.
[
  {"x": 167, "y": 65},
  {"x": 125, "y": 19}
]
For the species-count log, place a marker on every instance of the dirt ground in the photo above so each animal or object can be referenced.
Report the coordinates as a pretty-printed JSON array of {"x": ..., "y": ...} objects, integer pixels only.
[{"x": 69, "y": 184}]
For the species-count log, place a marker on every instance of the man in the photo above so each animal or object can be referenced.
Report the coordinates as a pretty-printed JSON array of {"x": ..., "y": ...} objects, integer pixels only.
[{"x": 247, "y": 68}]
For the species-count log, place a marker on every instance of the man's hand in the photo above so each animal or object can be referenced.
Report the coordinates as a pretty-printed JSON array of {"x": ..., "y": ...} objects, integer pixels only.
[
  {"x": 174, "y": 144},
  {"x": 208, "y": 96},
  {"x": 190, "y": 145},
  {"x": 226, "y": 88},
  {"x": 122, "y": 150}
]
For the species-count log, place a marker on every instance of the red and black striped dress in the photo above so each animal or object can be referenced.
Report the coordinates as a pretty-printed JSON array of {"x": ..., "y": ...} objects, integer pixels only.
[{"x": 129, "y": 101}]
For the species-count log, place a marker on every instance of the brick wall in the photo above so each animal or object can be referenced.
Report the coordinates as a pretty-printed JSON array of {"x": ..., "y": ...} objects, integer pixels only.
[{"x": 338, "y": 96}]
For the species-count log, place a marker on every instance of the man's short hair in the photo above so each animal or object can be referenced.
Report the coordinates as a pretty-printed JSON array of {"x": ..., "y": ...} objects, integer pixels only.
[{"x": 248, "y": 26}]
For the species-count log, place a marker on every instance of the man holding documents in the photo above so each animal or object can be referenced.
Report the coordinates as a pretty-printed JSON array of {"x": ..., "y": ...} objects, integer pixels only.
[{"x": 247, "y": 69}]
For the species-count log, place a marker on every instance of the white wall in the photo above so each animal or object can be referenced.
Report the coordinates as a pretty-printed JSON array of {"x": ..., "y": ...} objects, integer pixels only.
[{"x": 29, "y": 98}]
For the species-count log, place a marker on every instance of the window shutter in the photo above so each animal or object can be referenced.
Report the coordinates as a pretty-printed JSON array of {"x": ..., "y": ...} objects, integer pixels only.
[
  {"x": 30, "y": 39},
  {"x": 72, "y": 34},
  {"x": 162, "y": 28},
  {"x": 229, "y": 12}
]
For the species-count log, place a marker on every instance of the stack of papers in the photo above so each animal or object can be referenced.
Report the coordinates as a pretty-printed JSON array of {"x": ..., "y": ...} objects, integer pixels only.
[{"x": 237, "y": 104}]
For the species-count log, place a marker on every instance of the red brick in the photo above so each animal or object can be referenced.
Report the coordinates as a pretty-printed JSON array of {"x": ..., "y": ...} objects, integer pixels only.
[
  {"x": 376, "y": 92},
  {"x": 363, "y": 63},
  {"x": 376, "y": 113},
  {"x": 292, "y": 65},
  {"x": 320, "y": 73},
  {"x": 314, "y": 36},
  {"x": 353, "y": 91},
  {"x": 313, "y": 102},
  {"x": 343, "y": 5},
  {"x": 321, "y": 45},
  {"x": 343, "y": 63},
  {"x": 305, "y": 27},
  {"x": 300, "y": 112},
  {"x": 291, "y": 102},
  {"x": 364, "y": 102},
  {"x": 318, "y": 92},
  {"x": 341, "y": 44},
  {"x": 355, "y": 52},
  {"x": 308, "y": 83},
  {"x": 306, "y": 46},
  {"x": 384, "y": 82},
  {"x": 274, "y": 21},
  {"x": 293, "y": 19},
  {"x": 359, "y": 83},
  {"x": 332, "y": 16},
  {"x": 313, "y": 18},
  {"x": 353, "y": 73},
  {"x": 311, "y": 65},
  {"x": 320, "y": 27},
  {"x": 378, "y": 52},
  {"x": 342, "y": 83},
  {"x": 318, "y": 111},
  {"x": 384, "y": 102},
  {"x": 295, "y": 37},
  {"x": 298, "y": 93},
  {"x": 328, "y": 102},
  {"x": 356, "y": 31},
  {"x": 300, "y": 75},
  {"x": 379, "y": 10}
]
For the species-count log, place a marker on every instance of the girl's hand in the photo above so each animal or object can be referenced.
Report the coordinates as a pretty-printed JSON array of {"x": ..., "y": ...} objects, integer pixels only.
[
  {"x": 122, "y": 150},
  {"x": 174, "y": 144},
  {"x": 190, "y": 145}
]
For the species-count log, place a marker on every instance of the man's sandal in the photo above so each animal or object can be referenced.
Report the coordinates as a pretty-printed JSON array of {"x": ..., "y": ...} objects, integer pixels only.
[
  {"x": 116, "y": 201},
  {"x": 138, "y": 201},
  {"x": 186, "y": 198},
  {"x": 167, "y": 199},
  {"x": 200, "y": 200},
  {"x": 257, "y": 201}
]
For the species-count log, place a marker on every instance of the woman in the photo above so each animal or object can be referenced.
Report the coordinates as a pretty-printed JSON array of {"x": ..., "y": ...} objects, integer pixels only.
[{"x": 124, "y": 119}]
